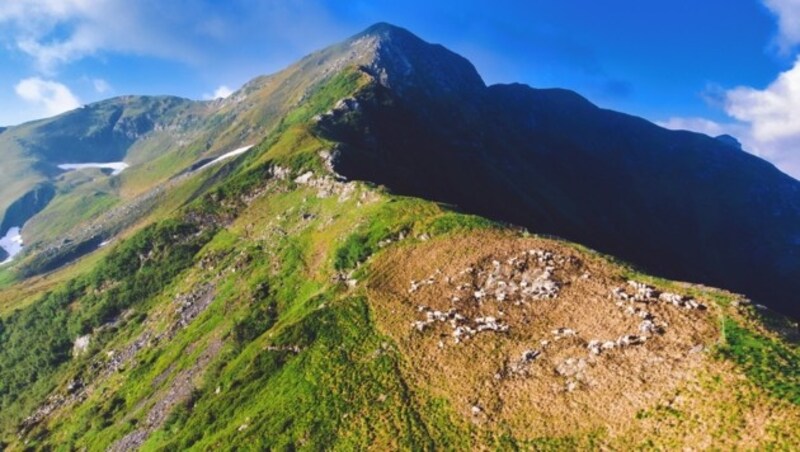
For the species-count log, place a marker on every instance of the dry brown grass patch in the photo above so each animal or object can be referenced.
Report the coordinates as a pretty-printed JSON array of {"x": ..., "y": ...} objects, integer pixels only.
[{"x": 566, "y": 388}]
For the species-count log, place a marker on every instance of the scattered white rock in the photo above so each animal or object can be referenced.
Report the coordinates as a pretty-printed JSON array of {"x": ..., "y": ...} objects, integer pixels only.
[
  {"x": 304, "y": 178},
  {"x": 630, "y": 339},
  {"x": 462, "y": 327},
  {"x": 280, "y": 173},
  {"x": 647, "y": 327},
  {"x": 564, "y": 332},
  {"x": 81, "y": 344}
]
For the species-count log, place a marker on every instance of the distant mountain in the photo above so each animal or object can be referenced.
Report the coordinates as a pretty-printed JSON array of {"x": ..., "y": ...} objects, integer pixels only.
[
  {"x": 159, "y": 136},
  {"x": 101, "y": 132}
]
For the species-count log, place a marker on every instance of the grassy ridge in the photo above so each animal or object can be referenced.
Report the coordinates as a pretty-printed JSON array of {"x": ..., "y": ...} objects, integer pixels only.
[{"x": 286, "y": 356}]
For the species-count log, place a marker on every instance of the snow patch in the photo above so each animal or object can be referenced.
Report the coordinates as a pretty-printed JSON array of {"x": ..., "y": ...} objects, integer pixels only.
[
  {"x": 226, "y": 156},
  {"x": 12, "y": 243},
  {"x": 116, "y": 167}
]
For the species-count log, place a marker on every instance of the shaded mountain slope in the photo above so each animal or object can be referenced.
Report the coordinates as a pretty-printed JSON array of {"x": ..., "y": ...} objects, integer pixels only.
[
  {"x": 677, "y": 203},
  {"x": 269, "y": 303},
  {"x": 284, "y": 308}
]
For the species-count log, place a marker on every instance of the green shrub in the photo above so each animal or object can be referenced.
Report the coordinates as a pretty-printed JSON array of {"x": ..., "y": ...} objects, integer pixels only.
[{"x": 35, "y": 341}]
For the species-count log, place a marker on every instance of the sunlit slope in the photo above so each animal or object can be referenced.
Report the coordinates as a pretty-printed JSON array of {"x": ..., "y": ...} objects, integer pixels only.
[{"x": 285, "y": 308}]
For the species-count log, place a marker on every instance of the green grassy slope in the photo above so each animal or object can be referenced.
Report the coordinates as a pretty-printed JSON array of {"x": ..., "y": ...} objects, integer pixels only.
[
  {"x": 159, "y": 137},
  {"x": 243, "y": 320}
]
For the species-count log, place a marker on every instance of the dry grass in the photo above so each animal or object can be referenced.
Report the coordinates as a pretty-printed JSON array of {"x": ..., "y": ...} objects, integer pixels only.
[
  {"x": 720, "y": 409},
  {"x": 606, "y": 392}
]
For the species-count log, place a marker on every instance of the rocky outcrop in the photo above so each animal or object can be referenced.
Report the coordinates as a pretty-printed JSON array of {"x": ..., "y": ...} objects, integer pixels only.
[
  {"x": 189, "y": 307},
  {"x": 81, "y": 344},
  {"x": 178, "y": 391}
]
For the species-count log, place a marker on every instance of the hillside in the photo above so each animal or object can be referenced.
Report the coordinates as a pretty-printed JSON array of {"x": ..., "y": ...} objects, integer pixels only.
[
  {"x": 282, "y": 299},
  {"x": 680, "y": 204}
]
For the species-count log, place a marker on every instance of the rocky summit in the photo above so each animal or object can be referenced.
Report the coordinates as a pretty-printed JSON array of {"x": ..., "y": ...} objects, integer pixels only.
[{"x": 373, "y": 249}]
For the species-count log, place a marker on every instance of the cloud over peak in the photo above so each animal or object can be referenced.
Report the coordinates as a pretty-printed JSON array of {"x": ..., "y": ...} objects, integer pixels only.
[
  {"x": 767, "y": 121},
  {"x": 51, "y": 97}
]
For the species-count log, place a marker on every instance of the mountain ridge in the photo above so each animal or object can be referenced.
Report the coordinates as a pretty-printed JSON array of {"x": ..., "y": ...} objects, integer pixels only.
[
  {"x": 448, "y": 97},
  {"x": 271, "y": 302},
  {"x": 589, "y": 161}
]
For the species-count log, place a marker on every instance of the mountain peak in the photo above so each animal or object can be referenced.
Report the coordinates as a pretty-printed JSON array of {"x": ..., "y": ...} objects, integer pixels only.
[
  {"x": 384, "y": 29},
  {"x": 404, "y": 62}
]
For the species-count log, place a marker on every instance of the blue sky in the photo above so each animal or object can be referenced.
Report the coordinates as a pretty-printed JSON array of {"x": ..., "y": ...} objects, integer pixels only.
[{"x": 715, "y": 66}]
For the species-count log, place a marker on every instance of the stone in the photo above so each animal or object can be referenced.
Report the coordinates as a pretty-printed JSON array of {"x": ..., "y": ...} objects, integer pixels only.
[
  {"x": 530, "y": 355},
  {"x": 647, "y": 327},
  {"x": 630, "y": 339},
  {"x": 81, "y": 344},
  {"x": 564, "y": 332},
  {"x": 304, "y": 178}
]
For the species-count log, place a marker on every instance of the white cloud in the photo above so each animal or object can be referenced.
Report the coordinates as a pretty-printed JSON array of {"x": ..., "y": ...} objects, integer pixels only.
[
  {"x": 57, "y": 32},
  {"x": 788, "y": 14},
  {"x": 242, "y": 39},
  {"x": 220, "y": 93},
  {"x": 701, "y": 125},
  {"x": 772, "y": 116},
  {"x": 766, "y": 121},
  {"x": 51, "y": 97},
  {"x": 773, "y": 112},
  {"x": 101, "y": 86},
  {"x": 784, "y": 153}
]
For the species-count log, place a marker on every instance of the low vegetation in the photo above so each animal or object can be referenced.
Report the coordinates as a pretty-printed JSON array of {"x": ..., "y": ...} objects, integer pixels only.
[
  {"x": 271, "y": 314},
  {"x": 36, "y": 341},
  {"x": 770, "y": 363}
]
